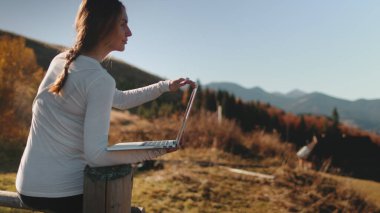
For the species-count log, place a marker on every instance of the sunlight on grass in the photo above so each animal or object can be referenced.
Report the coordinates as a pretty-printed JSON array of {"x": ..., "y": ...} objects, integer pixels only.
[
  {"x": 7, "y": 183},
  {"x": 370, "y": 190},
  {"x": 191, "y": 188},
  {"x": 185, "y": 185}
]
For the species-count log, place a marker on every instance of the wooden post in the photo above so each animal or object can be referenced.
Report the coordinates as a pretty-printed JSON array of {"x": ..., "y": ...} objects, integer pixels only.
[{"x": 108, "y": 189}]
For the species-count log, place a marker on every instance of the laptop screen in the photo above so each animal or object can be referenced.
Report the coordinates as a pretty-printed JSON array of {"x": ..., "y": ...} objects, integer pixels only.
[{"x": 187, "y": 112}]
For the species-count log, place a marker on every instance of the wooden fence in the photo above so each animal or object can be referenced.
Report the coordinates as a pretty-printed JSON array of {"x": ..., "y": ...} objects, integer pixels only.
[{"x": 106, "y": 190}]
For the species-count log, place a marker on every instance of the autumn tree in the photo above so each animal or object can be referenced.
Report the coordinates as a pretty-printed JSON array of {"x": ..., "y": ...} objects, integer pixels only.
[{"x": 19, "y": 79}]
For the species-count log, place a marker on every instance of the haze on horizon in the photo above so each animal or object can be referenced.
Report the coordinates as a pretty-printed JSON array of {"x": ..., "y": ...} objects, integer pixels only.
[{"x": 326, "y": 46}]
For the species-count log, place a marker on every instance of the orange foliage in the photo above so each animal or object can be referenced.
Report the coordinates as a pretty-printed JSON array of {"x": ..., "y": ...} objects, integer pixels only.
[
  {"x": 19, "y": 77},
  {"x": 318, "y": 122},
  {"x": 272, "y": 111},
  {"x": 290, "y": 119},
  {"x": 353, "y": 131}
]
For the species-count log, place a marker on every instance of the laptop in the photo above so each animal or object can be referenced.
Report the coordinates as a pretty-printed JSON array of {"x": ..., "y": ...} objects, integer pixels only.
[{"x": 160, "y": 144}]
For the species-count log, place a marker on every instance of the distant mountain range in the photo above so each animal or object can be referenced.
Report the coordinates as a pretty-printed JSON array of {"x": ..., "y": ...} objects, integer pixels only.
[{"x": 361, "y": 113}]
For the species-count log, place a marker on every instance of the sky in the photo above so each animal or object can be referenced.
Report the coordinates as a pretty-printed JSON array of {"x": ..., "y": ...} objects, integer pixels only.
[{"x": 324, "y": 46}]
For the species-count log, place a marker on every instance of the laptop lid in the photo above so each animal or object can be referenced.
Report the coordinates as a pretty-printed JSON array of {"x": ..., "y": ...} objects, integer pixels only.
[{"x": 187, "y": 113}]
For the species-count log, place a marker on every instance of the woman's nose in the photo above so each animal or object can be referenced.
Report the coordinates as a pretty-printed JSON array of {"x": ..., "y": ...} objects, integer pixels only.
[{"x": 129, "y": 32}]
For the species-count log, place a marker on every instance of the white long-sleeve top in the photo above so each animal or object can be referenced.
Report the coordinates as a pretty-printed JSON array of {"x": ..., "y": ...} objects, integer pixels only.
[{"x": 70, "y": 131}]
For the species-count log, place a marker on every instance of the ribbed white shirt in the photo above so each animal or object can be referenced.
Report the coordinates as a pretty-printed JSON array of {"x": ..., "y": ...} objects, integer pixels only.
[{"x": 70, "y": 131}]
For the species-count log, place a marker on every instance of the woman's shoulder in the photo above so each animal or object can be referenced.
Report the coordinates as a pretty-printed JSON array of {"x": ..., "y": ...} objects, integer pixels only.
[
  {"x": 81, "y": 62},
  {"x": 60, "y": 56},
  {"x": 58, "y": 60},
  {"x": 83, "y": 67}
]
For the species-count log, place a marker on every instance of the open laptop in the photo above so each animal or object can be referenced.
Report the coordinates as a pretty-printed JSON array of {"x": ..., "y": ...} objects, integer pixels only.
[{"x": 161, "y": 144}]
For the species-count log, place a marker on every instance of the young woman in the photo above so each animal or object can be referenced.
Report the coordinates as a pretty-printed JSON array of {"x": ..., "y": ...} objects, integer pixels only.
[{"x": 71, "y": 112}]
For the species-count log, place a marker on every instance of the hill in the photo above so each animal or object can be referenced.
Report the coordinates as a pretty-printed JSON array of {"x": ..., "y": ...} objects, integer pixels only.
[
  {"x": 196, "y": 179},
  {"x": 199, "y": 178},
  {"x": 126, "y": 75},
  {"x": 361, "y": 113},
  {"x": 183, "y": 185}
]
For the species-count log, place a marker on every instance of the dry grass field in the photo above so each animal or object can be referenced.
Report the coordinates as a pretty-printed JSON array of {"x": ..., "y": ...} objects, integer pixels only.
[{"x": 196, "y": 178}]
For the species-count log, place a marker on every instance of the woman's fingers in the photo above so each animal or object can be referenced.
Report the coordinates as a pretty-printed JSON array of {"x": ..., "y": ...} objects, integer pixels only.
[{"x": 174, "y": 85}]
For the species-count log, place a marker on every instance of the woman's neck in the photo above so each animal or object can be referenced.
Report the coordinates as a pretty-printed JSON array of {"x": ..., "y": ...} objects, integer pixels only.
[{"x": 97, "y": 53}]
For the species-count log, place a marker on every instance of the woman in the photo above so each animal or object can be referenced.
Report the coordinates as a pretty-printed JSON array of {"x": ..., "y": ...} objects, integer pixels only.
[{"x": 71, "y": 112}]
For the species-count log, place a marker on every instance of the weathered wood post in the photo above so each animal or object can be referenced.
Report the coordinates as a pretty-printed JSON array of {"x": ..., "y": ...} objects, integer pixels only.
[{"x": 108, "y": 189}]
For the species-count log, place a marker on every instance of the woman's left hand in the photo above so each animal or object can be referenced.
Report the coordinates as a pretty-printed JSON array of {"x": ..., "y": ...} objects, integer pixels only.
[{"x": 174, "y": 85}]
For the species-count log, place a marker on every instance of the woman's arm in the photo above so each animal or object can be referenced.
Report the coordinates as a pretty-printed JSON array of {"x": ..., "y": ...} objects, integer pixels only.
[
  {"x": 131, "y": 98},
  {"x": 96, "y": 127}
]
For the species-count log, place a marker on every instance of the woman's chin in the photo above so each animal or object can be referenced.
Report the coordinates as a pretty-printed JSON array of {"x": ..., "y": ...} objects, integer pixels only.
[{"x": 121, "y": 48}]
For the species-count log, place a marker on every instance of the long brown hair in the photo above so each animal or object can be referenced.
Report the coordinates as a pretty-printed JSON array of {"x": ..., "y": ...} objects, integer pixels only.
[{"x": 94, "y": 21}]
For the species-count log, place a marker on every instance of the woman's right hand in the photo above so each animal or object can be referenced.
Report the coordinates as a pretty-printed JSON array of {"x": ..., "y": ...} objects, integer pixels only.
[{"x": 174, "y": 85}]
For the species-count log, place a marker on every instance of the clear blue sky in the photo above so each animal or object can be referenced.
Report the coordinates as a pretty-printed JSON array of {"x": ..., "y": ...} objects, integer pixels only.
[{"x": 327, "y": 46}]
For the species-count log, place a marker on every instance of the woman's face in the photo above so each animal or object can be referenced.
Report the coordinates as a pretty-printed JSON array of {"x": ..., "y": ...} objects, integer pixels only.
[{"x": 119, "y": 36}]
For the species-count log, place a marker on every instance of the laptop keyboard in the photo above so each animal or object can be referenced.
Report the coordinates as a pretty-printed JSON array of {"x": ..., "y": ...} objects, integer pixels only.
[{"x": 164, "y": 144}]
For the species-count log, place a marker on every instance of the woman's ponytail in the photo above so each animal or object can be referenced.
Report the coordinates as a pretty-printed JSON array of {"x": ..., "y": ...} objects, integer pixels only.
[{"x": 58, "y": 84}]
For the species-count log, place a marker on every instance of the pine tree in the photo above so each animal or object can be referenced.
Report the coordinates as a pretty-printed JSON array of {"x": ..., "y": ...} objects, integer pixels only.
[
  {"x": 335, "y": 117},
  {"x": 199, "y": 97}
]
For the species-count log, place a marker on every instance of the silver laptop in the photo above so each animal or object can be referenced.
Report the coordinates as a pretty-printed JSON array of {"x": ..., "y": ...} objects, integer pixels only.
[{"x": 161, "y": 144}]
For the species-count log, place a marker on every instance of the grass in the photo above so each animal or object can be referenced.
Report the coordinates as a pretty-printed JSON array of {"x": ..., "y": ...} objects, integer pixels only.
[
  {"x": 187, "y": 184},
  {"x": 184, "y": 185},
  {"x": 369, "y": 190},
  {"x": 7, "y": 183},
  {"x": 194, "y": 179},
  {"x": 196, "y": 189}
]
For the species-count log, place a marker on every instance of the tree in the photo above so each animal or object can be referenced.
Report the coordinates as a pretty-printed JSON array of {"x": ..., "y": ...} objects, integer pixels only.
[
  {"x": 199, "y": 97},
  {"x": 209, "y": 100},
  {"x": 19, "y": 79},
  {"x": 335, "y": 117}
]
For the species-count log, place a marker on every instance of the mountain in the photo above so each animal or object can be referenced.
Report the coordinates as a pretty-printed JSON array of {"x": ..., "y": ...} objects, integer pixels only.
[
  {"x": 361, "y": 113},
  {"x": 295, "y": 93}
]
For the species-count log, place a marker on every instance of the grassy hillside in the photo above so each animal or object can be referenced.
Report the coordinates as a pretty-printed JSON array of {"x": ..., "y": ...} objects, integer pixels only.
[
  {"x": 197, "y": 179},
  {"x": 184, "y": 185}
]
